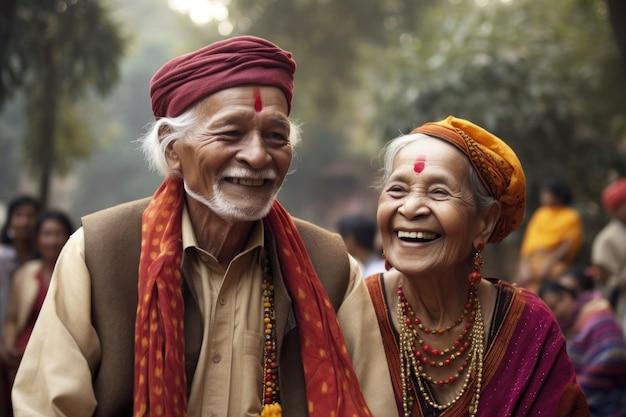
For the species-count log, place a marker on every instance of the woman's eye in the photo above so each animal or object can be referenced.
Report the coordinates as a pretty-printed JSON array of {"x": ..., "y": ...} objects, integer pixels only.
[
  {"x": 439, "y": 193},
  {"x": 395, "y": 190}
]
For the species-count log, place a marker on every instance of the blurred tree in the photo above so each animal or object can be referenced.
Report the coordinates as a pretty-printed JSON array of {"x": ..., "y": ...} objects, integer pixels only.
[
  {"x": 328, "y": 40},
  {"x": 55, "y": 52},
  {"x": 546, "y": 79},
  {"x": 617, "y": 14}
]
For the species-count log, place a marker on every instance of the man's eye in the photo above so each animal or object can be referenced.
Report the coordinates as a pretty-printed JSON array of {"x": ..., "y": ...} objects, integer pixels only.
[
  {"x": 277, "y": 136},
  {"x": 231, "y": 134}
]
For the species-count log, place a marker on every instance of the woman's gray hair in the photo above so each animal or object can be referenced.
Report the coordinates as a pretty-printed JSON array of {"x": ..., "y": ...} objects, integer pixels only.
[
  {"x": 394, "y": 146},
  {"x": 171, "y": 129}
]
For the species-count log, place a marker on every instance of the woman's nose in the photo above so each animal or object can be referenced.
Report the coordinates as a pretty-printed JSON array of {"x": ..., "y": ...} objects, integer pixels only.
[{"x": 414, "y": 205}]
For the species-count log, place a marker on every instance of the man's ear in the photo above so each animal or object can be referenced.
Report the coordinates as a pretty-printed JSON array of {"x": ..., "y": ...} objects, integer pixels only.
[
  {"x": 171, "y": 157},
  {"x": 488, "y": 223}
]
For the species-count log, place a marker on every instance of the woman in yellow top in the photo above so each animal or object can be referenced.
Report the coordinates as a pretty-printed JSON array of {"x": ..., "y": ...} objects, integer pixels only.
[{"x": 552, "y": 238}]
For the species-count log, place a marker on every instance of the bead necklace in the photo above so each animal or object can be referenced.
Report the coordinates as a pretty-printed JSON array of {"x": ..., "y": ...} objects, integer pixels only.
[
  {"x": 417, "y": 322},
  {"x": 271, "y": 394},
  {"x": 413, "y": 324},
  {"x": 411, "y": 364}
]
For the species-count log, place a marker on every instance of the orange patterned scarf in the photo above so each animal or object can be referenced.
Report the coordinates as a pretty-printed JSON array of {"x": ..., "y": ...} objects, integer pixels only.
[{"x": 332, "y": 387}]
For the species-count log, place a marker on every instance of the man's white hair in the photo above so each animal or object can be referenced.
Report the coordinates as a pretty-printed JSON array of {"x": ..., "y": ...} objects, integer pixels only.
[{"x": 160, "y": 133}]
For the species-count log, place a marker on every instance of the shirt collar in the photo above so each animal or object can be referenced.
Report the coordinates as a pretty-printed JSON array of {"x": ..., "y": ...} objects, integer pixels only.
[{"x": 189, "y": 236}]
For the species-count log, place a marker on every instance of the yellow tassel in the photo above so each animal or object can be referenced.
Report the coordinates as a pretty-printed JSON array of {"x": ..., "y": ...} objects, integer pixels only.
[{"x": 272, "y": 410}]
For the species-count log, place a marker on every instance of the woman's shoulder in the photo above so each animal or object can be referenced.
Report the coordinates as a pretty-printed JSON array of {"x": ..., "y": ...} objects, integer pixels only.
[
  {"x": 522, "y": 300},
  {"x": 28, "y": 269}
]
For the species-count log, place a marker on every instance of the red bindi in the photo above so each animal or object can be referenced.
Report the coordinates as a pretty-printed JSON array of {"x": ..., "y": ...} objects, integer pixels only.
[
  {"x": 258, "y": 103},
  {"x": 419, "y": 164}
]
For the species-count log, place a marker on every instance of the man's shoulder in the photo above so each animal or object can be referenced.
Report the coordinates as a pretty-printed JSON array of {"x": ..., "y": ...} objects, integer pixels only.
[
  {"x": 612, "y": 232},
  {"x": 304, "y": 225},
  {"x": 119, "y": 210},
  {"x": 114, "y": 228},
  {"x": 316, "y": 238}
]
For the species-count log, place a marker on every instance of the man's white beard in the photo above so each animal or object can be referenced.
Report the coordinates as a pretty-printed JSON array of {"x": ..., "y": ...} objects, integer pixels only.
[{"x": 228, "y": 211}]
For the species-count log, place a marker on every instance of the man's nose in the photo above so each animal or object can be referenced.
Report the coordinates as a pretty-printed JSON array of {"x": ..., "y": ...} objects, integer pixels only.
[{"x": 254, "y": 152}]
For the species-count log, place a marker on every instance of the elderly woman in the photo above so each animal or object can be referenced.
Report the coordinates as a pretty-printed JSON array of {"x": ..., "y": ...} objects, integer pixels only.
[{"x": 456, "y": 343}]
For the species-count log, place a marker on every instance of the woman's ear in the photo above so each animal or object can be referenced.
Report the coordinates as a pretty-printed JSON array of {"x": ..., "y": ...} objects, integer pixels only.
[{"x": 488, "y": 223}]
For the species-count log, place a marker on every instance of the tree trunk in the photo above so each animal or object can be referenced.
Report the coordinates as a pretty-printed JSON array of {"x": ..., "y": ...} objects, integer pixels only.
[
  {"x": 617, "y": 15},
  {"x": 49, "y": 112}
]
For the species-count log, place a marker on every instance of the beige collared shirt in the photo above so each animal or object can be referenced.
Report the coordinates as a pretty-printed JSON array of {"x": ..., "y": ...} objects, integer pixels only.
[{"x": 228, "y": 377}]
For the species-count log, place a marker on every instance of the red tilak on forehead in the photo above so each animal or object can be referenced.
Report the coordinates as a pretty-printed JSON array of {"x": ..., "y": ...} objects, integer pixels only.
[
  {"x": 419, "y": 164},
  {"x": 258, "y": 103}
]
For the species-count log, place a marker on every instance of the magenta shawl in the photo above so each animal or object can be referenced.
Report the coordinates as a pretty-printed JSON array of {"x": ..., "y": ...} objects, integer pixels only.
[{"x": 526, "y": 368}]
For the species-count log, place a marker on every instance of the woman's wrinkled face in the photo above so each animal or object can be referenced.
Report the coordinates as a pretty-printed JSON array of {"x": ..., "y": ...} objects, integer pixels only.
[
  {"x": 235, "y": 161},
  {"x": 426, "y": 210}
]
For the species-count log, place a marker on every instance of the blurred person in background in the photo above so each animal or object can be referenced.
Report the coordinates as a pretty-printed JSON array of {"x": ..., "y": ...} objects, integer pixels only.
[
  {"x": 29, "y": 288},
  {"x": 552, "y": 238},
  {"x": 595, "y": 340},
  {"x": 608, "y": 250},
  {"x": 358, "y": 232},
  {"x": 17, "y": 245},
  {"x": 458, "y": 344},
  {"x": 208, "y": 298}
]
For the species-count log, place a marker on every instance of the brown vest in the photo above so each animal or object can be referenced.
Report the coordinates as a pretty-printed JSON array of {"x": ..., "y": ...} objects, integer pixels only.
[{"x": 112, "y": 248}]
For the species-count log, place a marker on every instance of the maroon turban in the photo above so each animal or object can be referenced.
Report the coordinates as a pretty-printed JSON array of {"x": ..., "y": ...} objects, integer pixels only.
[
  {"x": 614, "y": 195},
  {"x": 242, "y": 60}
]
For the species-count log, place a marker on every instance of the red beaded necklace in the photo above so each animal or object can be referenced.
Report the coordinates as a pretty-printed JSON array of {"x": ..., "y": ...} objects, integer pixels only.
[
  {"x": 271, "y": 391},
  {"x": 442, "y": 357},
  {"x": 413, "y": 358}
]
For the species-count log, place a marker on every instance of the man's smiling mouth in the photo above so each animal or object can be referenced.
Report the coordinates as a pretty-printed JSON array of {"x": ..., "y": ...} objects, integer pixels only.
[{"x": 250, "y": 182}]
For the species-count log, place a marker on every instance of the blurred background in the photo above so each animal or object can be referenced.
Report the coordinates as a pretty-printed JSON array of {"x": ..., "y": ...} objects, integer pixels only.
[{"x": 547, "y": 77}]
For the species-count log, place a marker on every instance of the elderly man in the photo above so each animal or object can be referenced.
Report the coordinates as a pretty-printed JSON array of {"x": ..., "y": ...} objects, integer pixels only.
[
  {"x": 207, "y": 299},
  {"x": 608, "y": 251}
]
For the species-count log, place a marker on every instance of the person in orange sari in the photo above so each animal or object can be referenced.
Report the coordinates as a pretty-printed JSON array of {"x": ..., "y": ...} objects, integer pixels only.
[
  {"x": 458, "y": 344},
  {"x": 552, "y": 238},
  {"x": 208, "y": 298}
]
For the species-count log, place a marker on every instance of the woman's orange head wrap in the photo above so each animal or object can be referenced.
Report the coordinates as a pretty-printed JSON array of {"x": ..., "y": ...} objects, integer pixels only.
[{"x": 496, "y": 164}]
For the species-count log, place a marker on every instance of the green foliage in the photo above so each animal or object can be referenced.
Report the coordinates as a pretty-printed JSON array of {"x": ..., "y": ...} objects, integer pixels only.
[
  {"x": 56, "y": 52},
  {"x": 553, "y": 86},
  {"x": 79, "y": 38}
]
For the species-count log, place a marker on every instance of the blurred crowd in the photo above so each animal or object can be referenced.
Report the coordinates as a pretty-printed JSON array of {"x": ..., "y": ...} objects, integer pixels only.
[{"x": 30, "y": 242}]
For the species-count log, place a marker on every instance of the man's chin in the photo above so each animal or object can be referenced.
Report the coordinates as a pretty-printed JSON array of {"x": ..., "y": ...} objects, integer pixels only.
[{"x": 249, "y": 215}]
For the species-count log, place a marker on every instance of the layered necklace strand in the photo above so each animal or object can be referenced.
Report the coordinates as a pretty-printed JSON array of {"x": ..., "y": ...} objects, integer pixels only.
[
  {"x": 469, "y": 343},
  {"x": 271, "y": 395}
]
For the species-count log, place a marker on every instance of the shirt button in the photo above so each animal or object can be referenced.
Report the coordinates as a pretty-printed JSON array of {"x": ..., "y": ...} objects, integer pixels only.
[
  {"x": 222, "y": 301},
  {"x": 217, "y": 358}
]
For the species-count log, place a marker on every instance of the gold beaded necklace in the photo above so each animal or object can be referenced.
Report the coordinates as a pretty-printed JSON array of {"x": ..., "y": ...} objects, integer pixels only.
[
  {"x": 271, "y": 392},
  {"x": 412, "y": 360}
]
